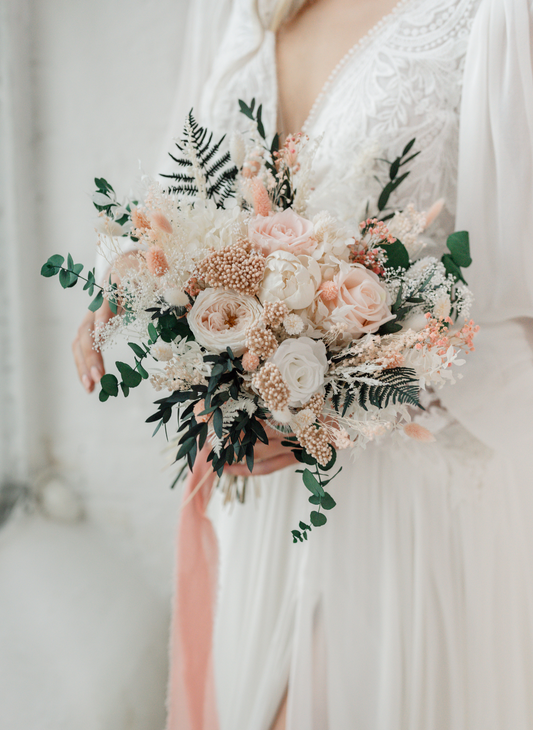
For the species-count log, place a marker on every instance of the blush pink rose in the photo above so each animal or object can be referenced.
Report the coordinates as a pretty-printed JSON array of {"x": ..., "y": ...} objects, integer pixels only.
[
  {"x": 362, "y": 302},
  {"x": 285, "y": 231}
]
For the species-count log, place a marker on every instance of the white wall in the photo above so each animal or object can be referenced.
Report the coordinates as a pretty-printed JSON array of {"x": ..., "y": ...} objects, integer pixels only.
[
  {"x": 105, "y": 76},
  {"x": 86, "y": 89}
]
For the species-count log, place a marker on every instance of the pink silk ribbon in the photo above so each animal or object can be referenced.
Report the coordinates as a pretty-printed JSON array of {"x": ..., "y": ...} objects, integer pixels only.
[{"x": 191, "y": 692}]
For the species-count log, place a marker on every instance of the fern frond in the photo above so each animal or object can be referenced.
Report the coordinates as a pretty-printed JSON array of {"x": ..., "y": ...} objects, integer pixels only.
[
  {"x": 399, "y": 385},
  {"x": 348, "y": 400},
  {"x": 184, "y": 190},
  {"x": 200, "y": 152},
  {"x": 180, "y": 177}
]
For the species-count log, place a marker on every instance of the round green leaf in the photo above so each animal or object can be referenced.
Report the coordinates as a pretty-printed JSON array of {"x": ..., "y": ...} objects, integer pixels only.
[
  {"x": 52, "y": 266},
  {"x": 130, "y": 377},
  {"x": 327, "y": 501},
  {"x": 318, "y": 519},
  {"x": 397, "y": 256},
  {"x": 109, "y": 384},
  {"x": 459, "y": 245}
]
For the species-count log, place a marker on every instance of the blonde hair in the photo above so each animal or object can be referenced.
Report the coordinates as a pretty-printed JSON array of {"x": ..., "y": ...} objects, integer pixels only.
[{"x": 284, "y": 9}]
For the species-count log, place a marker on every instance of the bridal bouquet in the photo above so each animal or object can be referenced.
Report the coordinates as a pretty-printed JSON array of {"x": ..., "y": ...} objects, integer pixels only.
[{"x": 246, "y": 309}]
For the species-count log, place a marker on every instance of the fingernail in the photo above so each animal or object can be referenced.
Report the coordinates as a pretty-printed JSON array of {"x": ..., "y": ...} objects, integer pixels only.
[
  {"x": 96, "y": 374},
  {"x": 85, "y": 379}
]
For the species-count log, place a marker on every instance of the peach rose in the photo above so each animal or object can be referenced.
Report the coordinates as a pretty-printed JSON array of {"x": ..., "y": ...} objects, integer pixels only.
[
  {"x": 285, "y": 231},
  {"x": 362, "y": 302},
  {"x": 220, "y": 319}
]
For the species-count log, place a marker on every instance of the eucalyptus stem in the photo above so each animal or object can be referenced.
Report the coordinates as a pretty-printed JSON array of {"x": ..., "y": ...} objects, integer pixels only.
[{"x": 79, "y": 276}]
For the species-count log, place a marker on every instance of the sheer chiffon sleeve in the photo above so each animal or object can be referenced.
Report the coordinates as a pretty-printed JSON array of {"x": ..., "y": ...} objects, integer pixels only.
[{"x": 495, "y": 204}]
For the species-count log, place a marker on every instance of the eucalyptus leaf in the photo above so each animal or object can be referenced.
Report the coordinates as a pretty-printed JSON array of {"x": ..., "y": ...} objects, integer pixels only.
[
  {"x": 459, "y": 245},
  {"x": 390, "y": 328},
  {"x": 52, "y": 266},
  {"x": 152, "y": 332},
  {"x": 130, "y": 377},
  {"x": 397, "y": 255},
  {"x": 312, "y": 484},
  {"x": 109, "y": 384},
  {"x": 97, "y": 302},
  {"x": 452, "y": 268},
  {"x": 327, "y": 501},
  {"x": 318, "y": 519},
  {"x": 137, "y": 349}
]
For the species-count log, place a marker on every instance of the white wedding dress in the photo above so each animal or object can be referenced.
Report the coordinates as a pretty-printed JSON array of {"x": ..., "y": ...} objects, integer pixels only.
[{"x": 412, "y": 609}]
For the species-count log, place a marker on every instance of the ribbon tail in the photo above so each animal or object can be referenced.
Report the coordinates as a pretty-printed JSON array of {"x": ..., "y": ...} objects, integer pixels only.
[{"x": 191, "y": 694}]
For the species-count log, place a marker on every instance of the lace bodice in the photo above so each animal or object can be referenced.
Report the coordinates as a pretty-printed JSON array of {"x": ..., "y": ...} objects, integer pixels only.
[{"x": 402, "y": 80}]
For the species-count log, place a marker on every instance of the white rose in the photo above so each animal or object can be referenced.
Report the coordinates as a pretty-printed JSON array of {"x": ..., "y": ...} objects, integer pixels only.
[
  {"x": 303, "y": 363},
  {"x": 332, "y": 239},
  {"x": 290, "y": 279},
  {"x": 220, "y": 318}
]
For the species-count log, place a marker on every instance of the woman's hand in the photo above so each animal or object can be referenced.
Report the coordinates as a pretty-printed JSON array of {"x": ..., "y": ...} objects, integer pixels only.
[
  {"x": 268, "y": 457},
  {"x": 89, "y": 362}
]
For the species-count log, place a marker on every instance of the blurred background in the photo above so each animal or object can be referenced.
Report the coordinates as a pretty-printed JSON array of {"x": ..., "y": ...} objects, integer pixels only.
[{"x": 86, "y": 514}]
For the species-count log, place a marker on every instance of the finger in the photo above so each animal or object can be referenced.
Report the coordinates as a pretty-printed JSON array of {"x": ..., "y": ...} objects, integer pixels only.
[
  {"x": 92, "y": 361},
  {"x": 81, "y": 366},
  {"x": 94, "y": 357}
]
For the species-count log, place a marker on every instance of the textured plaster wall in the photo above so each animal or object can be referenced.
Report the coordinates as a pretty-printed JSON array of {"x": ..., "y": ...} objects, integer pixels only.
[
  {"x": 84, "y": 606},
  {"x": 105, "y": 77}
]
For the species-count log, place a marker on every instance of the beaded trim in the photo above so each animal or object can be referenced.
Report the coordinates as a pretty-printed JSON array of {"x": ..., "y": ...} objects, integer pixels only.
[{"x": 363, "y": 42}]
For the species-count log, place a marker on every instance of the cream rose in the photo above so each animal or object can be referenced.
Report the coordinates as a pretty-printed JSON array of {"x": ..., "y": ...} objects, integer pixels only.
[
  {"x": 362, "y": 302},
  {"x": 220, "y": 318},
  {"x": 285, "y": 231},
  {"x": 303, "y": 363},
  {"x": 290, "y": 279}
]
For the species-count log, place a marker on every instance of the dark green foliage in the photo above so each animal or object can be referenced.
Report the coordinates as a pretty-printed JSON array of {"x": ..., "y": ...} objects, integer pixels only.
[
  {"x": 216, "y": 165},
  {"x": 399, "y": 385},
  {"x": 52, "y": 266},
  {"x": 69, "y": 276},
  {"x": 389, "y": 328},
  {"x": 238, "y": 438},
  {"x": 109, "y": 384},
  {"x": 283, "y": 194},
  {"x": 314, "y": 480},
  {"x": 248, "y": 111},
  {"x": 397, "y": 256},
  {"x": 459, "y": 245},
  {"x": 459, "y": 257},
  {"x": 395, "y": 180}
]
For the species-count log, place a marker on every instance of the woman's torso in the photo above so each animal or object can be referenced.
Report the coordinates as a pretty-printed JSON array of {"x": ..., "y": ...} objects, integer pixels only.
[{"x": 401, "y": 80}]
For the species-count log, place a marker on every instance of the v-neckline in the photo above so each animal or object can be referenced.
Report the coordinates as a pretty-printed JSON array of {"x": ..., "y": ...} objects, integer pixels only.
[{"x": 357, "y": 47}]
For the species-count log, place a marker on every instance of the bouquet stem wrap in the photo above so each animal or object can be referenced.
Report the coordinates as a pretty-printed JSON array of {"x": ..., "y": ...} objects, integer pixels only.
[{"x": 191, "y": 693}]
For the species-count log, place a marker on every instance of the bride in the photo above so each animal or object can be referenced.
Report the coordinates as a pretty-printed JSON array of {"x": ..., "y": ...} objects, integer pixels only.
[{"x": 413, "y": 610}]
